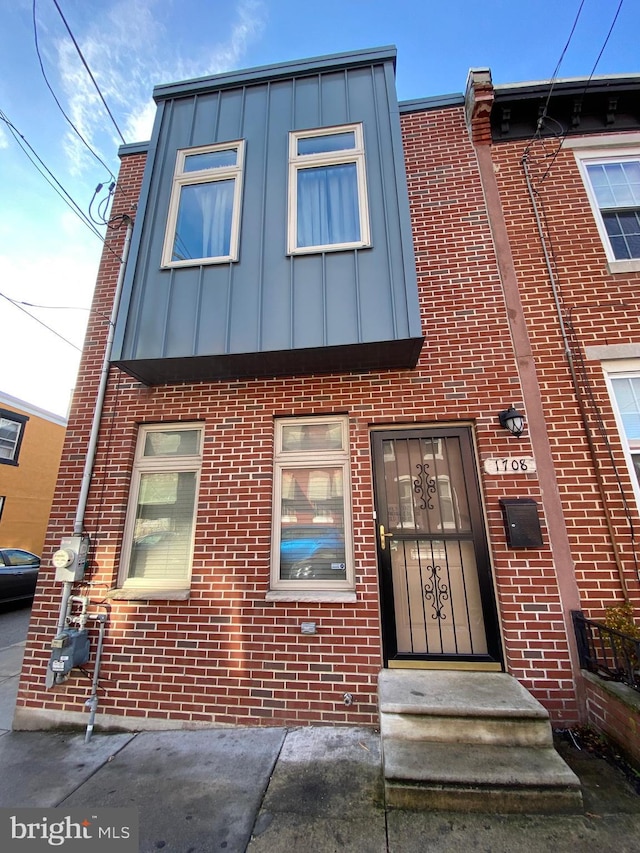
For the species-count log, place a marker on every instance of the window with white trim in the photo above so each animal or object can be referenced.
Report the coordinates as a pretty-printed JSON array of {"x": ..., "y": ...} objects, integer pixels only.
[
  {"x": 160, "y": 527},
  {"x": 311, "y": 547},
  {"x": 11, "y": 432},
  {"x": 613, "y": 186},
  {"x": 203, "y": 226},
  {"x": 328, "y": 208},
  {"x": 626, "y": 395}
]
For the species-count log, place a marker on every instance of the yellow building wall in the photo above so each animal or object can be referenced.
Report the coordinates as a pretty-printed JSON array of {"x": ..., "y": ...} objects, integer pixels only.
[{"x": 28, "y": 487}]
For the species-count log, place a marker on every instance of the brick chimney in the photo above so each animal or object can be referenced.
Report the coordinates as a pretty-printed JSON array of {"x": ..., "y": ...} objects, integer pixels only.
[{"x": 478, "y": 103}]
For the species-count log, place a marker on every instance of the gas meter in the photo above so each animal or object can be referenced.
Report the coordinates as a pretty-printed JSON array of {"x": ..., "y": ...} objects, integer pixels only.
[
  {"x": 70, "y": 559},
  {"x": 68, "y": 650}
]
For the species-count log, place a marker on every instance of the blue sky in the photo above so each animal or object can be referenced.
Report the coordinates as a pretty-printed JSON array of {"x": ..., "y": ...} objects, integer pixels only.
[{"x": 48, "y": 257}]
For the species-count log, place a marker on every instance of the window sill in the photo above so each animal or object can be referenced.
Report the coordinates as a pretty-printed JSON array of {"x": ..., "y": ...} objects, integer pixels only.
[
  {"x": 329, "y": 247},
  {"x": 334, "y": 596},
  {"x": 149, "y": 594},
  {"x": 632, "y": 265},
  {"x": 198, "y": 262}
]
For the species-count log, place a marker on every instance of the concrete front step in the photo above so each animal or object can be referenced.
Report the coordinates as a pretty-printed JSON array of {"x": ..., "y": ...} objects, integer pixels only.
[
  {"x": 505, "y": 731},
  {"x": 478, "y": 778},
  {"x": 456, "y": 707},
  {"x": 449, "y": 693},
  {"x": 473, "y": 741}
]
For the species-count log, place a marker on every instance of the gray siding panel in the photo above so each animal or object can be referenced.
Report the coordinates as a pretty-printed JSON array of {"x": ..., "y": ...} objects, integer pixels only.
[
  {"x": 305, "y": 106},
  {"x": 334, "y": 98},
  {"x": 341, "y": 297},
  {"x": 266, "y": 301},
  {"x": 183, "y": 305},
  {"x": 276, "y": 319},
  {"x": 214, "y": 314},
  {"x": 308, "y": 301}
]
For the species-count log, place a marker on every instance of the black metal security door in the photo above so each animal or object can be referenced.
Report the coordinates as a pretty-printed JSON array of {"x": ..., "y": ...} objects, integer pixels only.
[{"x": 437, "y": 593}]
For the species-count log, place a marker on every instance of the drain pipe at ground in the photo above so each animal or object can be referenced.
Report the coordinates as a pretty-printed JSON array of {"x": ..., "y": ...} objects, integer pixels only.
[{"x": 92, "y": 701}]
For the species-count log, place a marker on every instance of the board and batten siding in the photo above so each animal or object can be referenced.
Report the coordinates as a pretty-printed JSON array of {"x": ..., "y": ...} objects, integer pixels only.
[{"x": 268, "y": 302}]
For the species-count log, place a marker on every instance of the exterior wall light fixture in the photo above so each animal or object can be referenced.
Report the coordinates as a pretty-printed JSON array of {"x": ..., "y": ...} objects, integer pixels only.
[{"x": 512, "y": 420}]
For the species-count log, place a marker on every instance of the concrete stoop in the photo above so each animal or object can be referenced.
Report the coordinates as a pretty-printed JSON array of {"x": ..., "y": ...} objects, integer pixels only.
[{"x": 469, "y": 741}]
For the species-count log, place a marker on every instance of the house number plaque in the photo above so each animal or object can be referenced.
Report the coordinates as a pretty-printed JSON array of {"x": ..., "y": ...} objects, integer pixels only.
[{"x": 510, "y": 465}]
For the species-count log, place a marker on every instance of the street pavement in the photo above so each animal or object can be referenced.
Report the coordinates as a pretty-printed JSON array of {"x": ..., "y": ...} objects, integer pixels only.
[{"x": 279, "y": 790}]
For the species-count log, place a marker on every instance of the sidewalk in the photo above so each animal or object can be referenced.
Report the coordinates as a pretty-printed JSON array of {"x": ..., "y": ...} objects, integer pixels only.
[{"x": 277, "y": 790}]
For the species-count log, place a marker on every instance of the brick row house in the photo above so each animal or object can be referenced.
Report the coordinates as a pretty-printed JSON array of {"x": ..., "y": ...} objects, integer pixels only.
[{"x": 300, "y": 477}]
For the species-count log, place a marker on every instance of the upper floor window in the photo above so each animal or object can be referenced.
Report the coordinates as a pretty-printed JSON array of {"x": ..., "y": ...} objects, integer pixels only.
[
  {"x": 613, "y": 184},
  {"x": 312, "y": 516},
  {"x": 626, "y": 391},
  {"x": 159, "y": 533},
  {"x": 11, "y": 432},
  {"x": 328, "y": 207},
  {"x": 203, "y": 225}
]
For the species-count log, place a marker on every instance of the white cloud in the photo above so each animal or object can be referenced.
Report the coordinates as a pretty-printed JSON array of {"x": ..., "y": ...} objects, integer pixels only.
[
  {"x": 128, "y": 56},
  {"x": 130, "y": 46},
  {"x": 140, "y": 123}
]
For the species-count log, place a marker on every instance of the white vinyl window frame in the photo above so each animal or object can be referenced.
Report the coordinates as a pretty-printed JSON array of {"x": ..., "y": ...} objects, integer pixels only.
[
  {"x": 289, "y": 461},
  {"x": 603, "y": 156},
  {"x": 625, "y": 369},
  {"x": 159, "y": 464},
  {"x": 187, "y": 178},
  {"x": 355, "y": 155}
]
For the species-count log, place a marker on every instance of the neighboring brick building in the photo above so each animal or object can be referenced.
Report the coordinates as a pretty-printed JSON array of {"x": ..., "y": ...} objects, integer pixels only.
[
  {"x": 30, "y": 448},
  {"x": 289, "y": 388}
]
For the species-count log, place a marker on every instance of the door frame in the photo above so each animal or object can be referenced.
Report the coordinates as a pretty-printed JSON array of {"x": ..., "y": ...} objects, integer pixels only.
[{"x": 494, "y": 658}]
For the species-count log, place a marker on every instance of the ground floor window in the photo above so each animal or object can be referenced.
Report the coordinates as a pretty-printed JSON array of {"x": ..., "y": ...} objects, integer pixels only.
[
  {"x": 625, "y": 389},
  {"x": 159, "y": 533},
  {"x": 627, "y": 393},
  {"x": 311, "y": 546}
]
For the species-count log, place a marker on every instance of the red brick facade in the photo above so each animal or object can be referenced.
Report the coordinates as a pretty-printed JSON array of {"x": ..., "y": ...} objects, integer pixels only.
[
  {"x": 599, "y": 308},
  {"x": 229, "y": 656}
]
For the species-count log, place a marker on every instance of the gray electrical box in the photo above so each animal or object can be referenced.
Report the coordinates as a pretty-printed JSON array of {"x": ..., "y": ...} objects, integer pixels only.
[{"x": 70, "y": 559}]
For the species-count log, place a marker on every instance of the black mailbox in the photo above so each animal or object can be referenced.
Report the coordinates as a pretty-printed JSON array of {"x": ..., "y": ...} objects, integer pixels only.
[{"x": 521, "y": 522}]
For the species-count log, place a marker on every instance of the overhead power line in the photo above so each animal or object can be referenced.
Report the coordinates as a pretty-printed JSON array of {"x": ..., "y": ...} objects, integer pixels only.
[
  {"x": 89, "y": 72},
  {"x": 53, "y": 331},
  {"x": 47, "y": 174},
  {"x": 554, "y": 76},
  {"x": 583, "y": 93},
  {"x": 55, "y": 97},
  {"x": 55, "y": 184}
]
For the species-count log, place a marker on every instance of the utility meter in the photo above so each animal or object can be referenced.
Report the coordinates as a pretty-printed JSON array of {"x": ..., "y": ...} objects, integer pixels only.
[
  {"x": 69, "y": 649},
  {"x": 70, "y": 559}
]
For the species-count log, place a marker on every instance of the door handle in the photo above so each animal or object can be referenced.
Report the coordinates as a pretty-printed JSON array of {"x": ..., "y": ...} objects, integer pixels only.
[{"x": 383, "y": 537}]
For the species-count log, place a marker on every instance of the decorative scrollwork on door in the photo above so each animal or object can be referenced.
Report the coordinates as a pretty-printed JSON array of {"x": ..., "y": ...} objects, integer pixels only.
[
  {"x": 436, "y": 592},
  {"x": 424, "y": 486}
]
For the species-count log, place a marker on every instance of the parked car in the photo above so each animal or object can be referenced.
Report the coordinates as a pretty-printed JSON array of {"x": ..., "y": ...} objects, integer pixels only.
[
  {"x": 18, "y": 575},
  {"x": 312, "y": 551}
]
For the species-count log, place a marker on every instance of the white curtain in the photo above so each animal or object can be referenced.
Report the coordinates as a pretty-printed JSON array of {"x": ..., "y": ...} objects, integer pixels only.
[
  {"x": 328, "y": 205},
  {"x": 203, "y": 227}
]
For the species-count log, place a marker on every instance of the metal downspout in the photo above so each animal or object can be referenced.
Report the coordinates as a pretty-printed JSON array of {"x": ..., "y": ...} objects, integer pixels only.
[
  {"x": 575, "y": 382},
  {"x": 102, "y": 389},
  {"x": 78, "y": 524}
]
